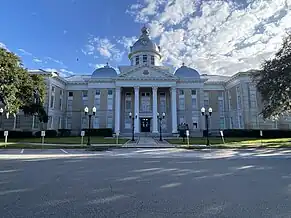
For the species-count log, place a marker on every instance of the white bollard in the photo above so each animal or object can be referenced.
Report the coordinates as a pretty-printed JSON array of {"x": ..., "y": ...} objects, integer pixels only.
[
  {"x": 5, "y": 138},
  {"x": 82, "y": 137},
  {"x": 187, "y": 134},
  {"x": 221, "y": 134},
  {"x": 42, "y": 138}
]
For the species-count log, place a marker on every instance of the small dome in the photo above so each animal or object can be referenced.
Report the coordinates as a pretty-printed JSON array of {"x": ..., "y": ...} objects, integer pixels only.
[
  {"x": 187, "y": 72},
  {"x": 144, "y": 44},
  {"x": 104, "y": 72}
]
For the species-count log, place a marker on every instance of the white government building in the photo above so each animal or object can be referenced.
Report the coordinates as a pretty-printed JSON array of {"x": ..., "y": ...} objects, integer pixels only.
[{"x": 146, "y": 88}]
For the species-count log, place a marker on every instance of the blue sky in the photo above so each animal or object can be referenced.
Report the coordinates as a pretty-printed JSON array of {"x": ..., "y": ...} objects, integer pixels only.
[{"x": 76, "y": 36}]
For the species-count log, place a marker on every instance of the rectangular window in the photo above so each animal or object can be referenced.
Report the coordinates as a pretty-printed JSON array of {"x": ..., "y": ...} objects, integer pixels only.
[
  {"x": 109, "y": 122},
  {"x": 61, "y": 103},
  {"x": 84, "y": 122},
  {"x": 51, "y": 122},
  {"x": 181, "y": 104},
  {"x": 128, "y": 105},
  {"x": 70, "y": 105},
  {"x": 85, "y": 94},
  {"x": 60, "y": 123},
  {"x": 70, "y": 94},
  {"x": 95, "y": 122},
  {"x": 193, "y": 92},
  {"x": 110, "y": 92},
  {"x": 240, "y": 122},
  {"x": 97, "y": 103},
  {"x": 181, "y": 92},
  {"x": 144, "y": 59},
  {"x": 35, "y": 122},
  {"x": 17, "y": 122},
  {"x": 52, "y": 101},
  {"x": 206, "y": 103},
  {"x": 238, "y": 102},
  {"x": 85, "y": 102},
  {"x": 195, "y": 122},
  {"x": 221, "y": 123},
  {"x": 220, "y": 106},
  {"x": 152, "y": 60},
  {"x": 137, "y": 60},
  {"x": 97, "y": 92},
  {"x": 110, "y": 103},
  {"x": 194, "y": 103},
  {"x": 127, "y": 122},
  {"x": 69, "y": 123},
  {"x": 61, "y": 92},
  {"x": 206, "y": 95},
  {"x": 163, "y": 103}
]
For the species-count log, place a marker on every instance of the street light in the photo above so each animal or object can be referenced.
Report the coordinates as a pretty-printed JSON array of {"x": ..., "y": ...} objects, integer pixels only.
[
  {"x": 86, "y": 110},
  {"x": 160, "y": 118},
  {"x": 207, "y": 115},
  {"x": 1, "y": 113},
  {"x": 132, "y": 118}
]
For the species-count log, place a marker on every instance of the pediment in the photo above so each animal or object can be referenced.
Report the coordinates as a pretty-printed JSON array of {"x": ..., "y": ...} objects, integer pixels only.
[{"x": 144, "y": 72}]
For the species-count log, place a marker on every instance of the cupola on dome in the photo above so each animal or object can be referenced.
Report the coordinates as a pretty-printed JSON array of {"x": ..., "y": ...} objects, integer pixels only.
[
  {"x": 105, "y": 72},
  {"x": 144, "y": 44},
  {"x": 187, "y": 72}
]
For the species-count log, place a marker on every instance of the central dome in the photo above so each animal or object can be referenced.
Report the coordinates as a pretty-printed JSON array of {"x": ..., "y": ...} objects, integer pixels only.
[{"x": 144, "y": 44}]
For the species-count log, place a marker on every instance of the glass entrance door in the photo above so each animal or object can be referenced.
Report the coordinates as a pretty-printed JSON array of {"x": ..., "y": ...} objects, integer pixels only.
[{"x": 145, "y": 125}]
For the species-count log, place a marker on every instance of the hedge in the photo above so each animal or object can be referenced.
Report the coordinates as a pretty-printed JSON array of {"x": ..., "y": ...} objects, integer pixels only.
[
  {"x": 48, "y": 133},
  {"x": 255, "y": 133},
  {"x": 104, "y": 132},
  {"x": 17, "y": 134},
  {"x": 64, "y": 132}
]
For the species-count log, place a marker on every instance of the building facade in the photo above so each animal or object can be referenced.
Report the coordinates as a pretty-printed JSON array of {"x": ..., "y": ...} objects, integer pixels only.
[{"x": 146, "y": 88}]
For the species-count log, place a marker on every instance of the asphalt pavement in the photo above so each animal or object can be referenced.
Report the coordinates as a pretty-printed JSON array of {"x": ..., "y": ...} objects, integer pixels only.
[{"x": 145, "y": 183}]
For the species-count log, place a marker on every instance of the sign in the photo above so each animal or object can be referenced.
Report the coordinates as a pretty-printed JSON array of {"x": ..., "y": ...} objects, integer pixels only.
[
  {"x": 221, "y": 133},
  {"x": 5, "y": 133},
  {"x": 117, "y": 133},
  {"x": 82, "y": 133},
  {"x": 187, "y": 132},
  {"x": 261, "y": 133},
  {"x": 42, "y": 133}
]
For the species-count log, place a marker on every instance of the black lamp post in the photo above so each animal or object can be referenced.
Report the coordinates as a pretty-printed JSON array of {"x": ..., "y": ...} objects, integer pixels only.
[
  {"x": 86, "y": 110},
  {"x": 132, "y": 120},
  {"x": 207, "y": 115},
  {"x": 160, "y": 118},
  {"x": 1, "y": 115}
]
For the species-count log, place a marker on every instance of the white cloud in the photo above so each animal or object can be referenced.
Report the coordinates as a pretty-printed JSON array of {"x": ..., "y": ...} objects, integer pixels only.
[
  {"x": 2, "y": 45},
  {"x": 96, "y": 66},
  {"x": 36, "y": 60},
  {"x": 24, "y": 52},
  {"x": 127, "y": 41},
  {"x": 56, "y": 61},
  {"x": 103, "y": 47},
  {"x": 217, "y": 37},
  {"x": 62, "y": 72}
]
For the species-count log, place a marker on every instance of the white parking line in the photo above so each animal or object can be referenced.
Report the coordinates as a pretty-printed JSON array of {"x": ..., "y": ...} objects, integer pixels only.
[
  {"x": 64, "y": 151},
  {"x": 22, "y": 150}
]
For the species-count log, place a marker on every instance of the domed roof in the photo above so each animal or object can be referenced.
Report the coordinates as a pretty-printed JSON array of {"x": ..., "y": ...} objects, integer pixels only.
[
  {"x": 104, "y": 72},
  {"x": 187, "y": 72},
  {"x": 144, "y": 44}
]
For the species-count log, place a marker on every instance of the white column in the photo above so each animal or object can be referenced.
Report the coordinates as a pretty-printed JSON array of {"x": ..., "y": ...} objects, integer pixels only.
[
  {"x": 117, "y": 109},
  {"x": 136, "y": 109},
  {"x": 155, "y": 110},
  {"x": 174, "y": 109}
]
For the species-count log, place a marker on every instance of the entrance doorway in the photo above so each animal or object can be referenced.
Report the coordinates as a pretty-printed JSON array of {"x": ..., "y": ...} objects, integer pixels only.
[{"x": 145, "y": 124}]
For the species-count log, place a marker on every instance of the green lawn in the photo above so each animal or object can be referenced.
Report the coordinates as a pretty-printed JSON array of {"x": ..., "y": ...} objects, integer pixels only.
[
  {"x": 235, "y": 142},
  {"x": 70, "y": 140},
  {"x": 39, "y": 146}
]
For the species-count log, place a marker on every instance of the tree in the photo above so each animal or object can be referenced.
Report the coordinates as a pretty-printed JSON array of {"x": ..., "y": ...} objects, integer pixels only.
[
  {"x": 20, "y": 90},
  {"x": 273, "y": 82}
]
